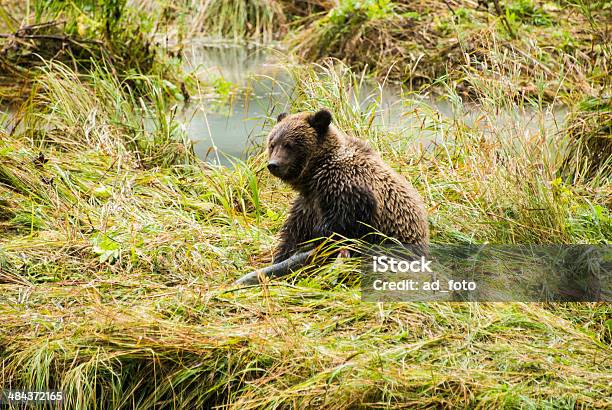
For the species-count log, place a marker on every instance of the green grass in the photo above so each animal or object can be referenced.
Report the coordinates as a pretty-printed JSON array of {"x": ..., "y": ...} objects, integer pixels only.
[
  {"x": 118, "y": 247},
  {"x": 116, "y": 259}
]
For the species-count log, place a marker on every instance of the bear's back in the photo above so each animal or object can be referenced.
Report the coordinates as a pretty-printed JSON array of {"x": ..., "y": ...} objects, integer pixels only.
[{"x": 400, "y": 212}]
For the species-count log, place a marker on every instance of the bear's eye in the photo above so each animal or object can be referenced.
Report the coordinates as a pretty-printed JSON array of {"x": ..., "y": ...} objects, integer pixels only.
[{"x": 287, "y": 145}]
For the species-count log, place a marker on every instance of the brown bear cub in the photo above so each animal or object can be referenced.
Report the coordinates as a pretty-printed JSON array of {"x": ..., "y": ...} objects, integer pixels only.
[{"x": 344, "y": 187}]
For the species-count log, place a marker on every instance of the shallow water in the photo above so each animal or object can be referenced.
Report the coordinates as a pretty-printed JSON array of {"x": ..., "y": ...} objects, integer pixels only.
[
  {"x": 266, "y": 88},
  {"x": 234, "y": 128}
]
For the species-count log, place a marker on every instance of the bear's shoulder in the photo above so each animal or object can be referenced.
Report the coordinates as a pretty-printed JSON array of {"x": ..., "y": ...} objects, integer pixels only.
[{"x": 345, "y": 170}]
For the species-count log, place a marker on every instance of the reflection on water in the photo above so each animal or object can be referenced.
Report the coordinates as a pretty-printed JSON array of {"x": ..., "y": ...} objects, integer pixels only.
[{"x": 231, "y": 128}]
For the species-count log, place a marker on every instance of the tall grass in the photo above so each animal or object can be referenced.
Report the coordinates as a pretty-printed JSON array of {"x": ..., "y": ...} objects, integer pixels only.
[
  {"x": 100, "y": 111},
  {"x": 260, "y": 20}
]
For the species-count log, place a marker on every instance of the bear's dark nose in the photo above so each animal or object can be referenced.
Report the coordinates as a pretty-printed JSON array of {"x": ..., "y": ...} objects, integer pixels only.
[{"x": 273, "y": 167}]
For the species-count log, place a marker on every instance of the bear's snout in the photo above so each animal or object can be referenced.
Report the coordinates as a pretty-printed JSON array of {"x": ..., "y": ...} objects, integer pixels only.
[{"x": 274, "y": 168}]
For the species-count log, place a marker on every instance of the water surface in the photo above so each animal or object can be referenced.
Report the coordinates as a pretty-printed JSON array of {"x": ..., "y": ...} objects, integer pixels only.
[
  {"x": 258, "y": 87},
  {"x": 254, "y": 87},
  {"x": 262, "y": 89}
]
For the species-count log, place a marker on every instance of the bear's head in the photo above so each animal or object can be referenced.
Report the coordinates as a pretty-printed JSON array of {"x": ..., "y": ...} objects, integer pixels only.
[{"x": 293, "y": 142}]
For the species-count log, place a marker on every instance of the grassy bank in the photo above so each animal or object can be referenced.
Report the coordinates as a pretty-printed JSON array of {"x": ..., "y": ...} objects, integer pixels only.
[
  {"x": 118, "y": 246},
  {"x": 534, "y": 48},
  {"x": 83, "y": 35},
  {"x": 537, "y": 49},
  {"x": 117, "y": 255}
]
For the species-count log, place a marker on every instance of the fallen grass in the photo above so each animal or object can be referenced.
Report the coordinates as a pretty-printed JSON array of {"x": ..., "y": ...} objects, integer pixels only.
[
  {"x": 591, "y": 128},
  {"x": 116, "y": 259}
]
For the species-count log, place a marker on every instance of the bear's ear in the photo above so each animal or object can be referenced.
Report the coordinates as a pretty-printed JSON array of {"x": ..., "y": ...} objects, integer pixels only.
[
  {"x": 320, "y": 121},
  {"x": 281, "y": 116}
]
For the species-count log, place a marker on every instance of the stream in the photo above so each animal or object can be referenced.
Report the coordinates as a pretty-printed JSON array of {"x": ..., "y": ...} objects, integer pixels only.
[
  {"x": 255, "y": 87},
  {"x": 233, "y": 129}
]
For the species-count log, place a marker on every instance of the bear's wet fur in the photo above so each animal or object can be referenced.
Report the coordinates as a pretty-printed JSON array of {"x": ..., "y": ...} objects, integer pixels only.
[{"x": 344, "y": 186}]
